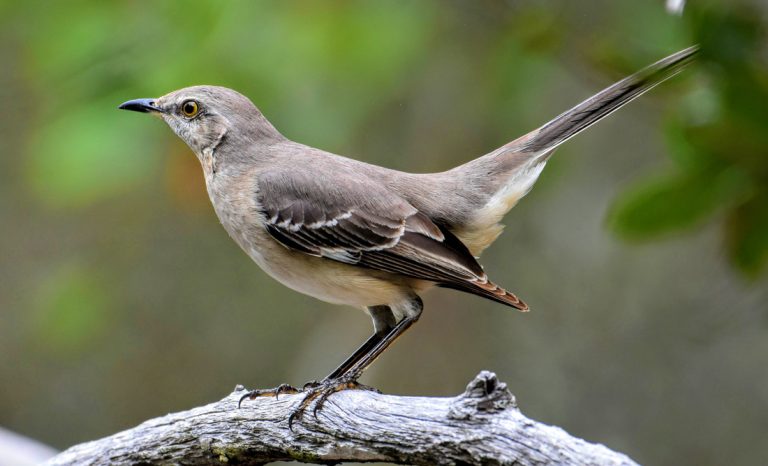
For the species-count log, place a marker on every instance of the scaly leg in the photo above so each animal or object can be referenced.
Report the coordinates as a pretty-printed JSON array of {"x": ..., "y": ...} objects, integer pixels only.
[
  {"x": 345, "y": 376},
  {"x": 347, "y": 379},
  {"x": 383, "y": 323}
]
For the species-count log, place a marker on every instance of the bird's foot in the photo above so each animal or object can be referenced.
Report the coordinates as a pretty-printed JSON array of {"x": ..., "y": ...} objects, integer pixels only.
[
  {"x": 319, "y": 392},
  {"x": 314, "y": 391},
  {"x": 282, "y": 389}
]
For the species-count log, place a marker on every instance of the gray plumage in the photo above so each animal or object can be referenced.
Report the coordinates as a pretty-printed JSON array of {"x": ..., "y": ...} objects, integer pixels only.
[{"x": 349, "y": 232}]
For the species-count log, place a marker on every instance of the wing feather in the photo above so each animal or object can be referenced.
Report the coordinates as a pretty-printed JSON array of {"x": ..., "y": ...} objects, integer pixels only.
[{"x": 362, "y": 223}]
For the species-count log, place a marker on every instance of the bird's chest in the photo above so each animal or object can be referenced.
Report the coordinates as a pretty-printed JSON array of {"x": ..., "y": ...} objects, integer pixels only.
[{"x": 238, "y": 211}]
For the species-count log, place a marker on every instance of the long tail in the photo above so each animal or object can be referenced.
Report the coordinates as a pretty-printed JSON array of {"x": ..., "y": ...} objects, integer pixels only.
[
  {"x": 509, "y": 172},
  {"x": 572, "y": 122}
]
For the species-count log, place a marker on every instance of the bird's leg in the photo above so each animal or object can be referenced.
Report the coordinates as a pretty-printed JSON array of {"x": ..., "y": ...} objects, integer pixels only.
[
  {"x": 349, "y": 379},
  {"x": 346, "y": 375},
  {"x": 354, "y": 371},
  {"x": 359, "y": 353},
  {"x": 383, "y": 323}
]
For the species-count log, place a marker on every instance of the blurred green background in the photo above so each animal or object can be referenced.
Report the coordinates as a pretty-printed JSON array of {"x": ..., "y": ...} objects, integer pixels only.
[{"x": 642, "y": 251}]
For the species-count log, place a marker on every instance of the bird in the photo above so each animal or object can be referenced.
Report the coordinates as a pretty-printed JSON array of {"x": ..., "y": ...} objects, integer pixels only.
[{"x": 352, "y": 233}]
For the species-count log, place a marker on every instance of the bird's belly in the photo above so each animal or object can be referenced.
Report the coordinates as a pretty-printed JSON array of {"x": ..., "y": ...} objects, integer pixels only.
[{"x": 334, "y": 282}]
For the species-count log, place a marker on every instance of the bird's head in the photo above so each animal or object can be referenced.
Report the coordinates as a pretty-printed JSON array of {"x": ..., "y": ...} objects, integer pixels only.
[{"x": 206, "y": 117}]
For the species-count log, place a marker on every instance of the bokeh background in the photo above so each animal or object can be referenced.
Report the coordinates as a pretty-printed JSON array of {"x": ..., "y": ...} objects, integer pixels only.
[{"x": 642, "y": 250}]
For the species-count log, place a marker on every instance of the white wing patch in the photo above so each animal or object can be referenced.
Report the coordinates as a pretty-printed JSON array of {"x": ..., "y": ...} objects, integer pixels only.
[
  {"x": 340, "y": 255},
  {"x": 329, "y": 223}
]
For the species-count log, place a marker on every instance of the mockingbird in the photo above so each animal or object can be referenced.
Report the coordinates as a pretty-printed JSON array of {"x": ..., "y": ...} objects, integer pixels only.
[{"x": 352, "y": 233}]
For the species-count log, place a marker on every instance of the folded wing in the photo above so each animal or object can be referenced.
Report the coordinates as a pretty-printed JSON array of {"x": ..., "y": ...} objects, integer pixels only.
[{"x": 362, "y": 223}]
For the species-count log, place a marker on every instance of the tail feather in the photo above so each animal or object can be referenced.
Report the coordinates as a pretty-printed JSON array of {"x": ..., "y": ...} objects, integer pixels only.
[
  {"x": 509, "y": 172},
  {"x": 514, "y": 168},
  {"x": 582, "y": 116},
  {"x": 489, "y": 290}
]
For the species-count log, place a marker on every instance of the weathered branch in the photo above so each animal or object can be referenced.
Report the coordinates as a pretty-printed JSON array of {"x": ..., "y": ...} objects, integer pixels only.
[{"x": 480, "y": 426}]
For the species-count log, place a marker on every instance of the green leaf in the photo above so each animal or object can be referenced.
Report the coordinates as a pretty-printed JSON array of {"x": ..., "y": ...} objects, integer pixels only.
[
  {"x": 675, "y": 202},
  {"x": 747, "y": 235}
]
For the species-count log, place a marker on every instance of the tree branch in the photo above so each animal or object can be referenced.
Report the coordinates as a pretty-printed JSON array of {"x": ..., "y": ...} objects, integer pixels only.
[{"x": 480, "y": 426}]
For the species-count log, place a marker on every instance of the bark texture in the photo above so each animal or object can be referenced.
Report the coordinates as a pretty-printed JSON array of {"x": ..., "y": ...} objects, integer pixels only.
[{"x": 480, "y": 426}]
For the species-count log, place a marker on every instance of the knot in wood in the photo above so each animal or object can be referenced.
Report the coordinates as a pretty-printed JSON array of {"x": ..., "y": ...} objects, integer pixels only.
[{"x": 485, "y": 394}]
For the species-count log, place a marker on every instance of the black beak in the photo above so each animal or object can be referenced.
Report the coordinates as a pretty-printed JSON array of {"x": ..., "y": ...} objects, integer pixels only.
[{"x": 140, "y": 105}]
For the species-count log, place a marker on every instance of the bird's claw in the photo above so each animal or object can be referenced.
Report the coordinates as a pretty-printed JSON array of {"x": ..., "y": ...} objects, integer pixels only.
[
  {"x": 314, "y": 391},
  {"x": 319, "y": 392},
  {"x": 282, "y": 389}
]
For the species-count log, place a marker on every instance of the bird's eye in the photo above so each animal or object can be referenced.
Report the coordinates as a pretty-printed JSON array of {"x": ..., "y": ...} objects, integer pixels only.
[{"x": 189, "y": 108}]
